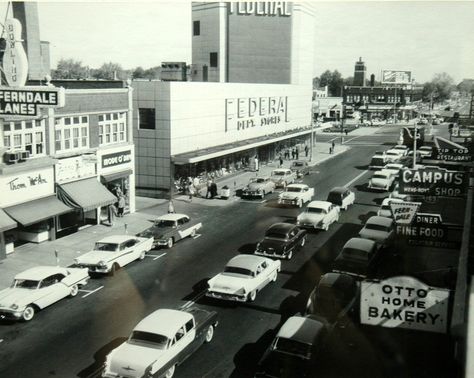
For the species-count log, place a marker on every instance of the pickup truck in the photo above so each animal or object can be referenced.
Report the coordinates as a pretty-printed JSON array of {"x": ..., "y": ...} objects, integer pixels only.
[
  {"x": 160, "y": 342},
  {"x": 114, "y": 252},
  {"x": 170, "y": 228},
  {"x": 296, "y": 195}
]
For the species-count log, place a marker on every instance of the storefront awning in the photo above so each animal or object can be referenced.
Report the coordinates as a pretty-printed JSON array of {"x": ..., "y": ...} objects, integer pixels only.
[
  {"x": 85, "y": 194},
  {"x": 115, "y": 176},
  {"x": 226, "y": 149},
  {"x": 6, "y": 223},
  {"x": 38, "y": 210}
]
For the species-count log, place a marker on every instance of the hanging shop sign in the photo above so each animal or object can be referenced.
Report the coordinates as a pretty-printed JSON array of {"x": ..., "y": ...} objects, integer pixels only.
[
  {"x": 15, "y": 62},
  {"x": 26, "y": 186},
  {"x": 250, "y": 112},
  {"x": 433, "y": 182},
  {"x": 453, "y": 154},
  {"x": 404, "y": 302},
  {"x": 28, "y": 100},
  {"x": 116, "y": 158},
  {"x": 74, "y": 168},
  {"x": 404, "y": 212},
  {"x": 261, "y": 8}
]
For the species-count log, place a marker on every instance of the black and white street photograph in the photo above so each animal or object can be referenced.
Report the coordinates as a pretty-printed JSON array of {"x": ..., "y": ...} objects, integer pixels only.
[{"x": 240, "y": 189}]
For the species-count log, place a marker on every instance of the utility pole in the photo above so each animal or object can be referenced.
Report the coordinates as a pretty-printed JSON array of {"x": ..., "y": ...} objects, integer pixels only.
[
  {"x": 414, "y": 146},
  {"x": 395, "y": 106}
]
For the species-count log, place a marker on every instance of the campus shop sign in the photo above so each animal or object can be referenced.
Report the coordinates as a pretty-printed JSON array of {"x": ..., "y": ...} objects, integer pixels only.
[
  {"x": 404, "y": 302},
  {"x": 433, "y": 182}
]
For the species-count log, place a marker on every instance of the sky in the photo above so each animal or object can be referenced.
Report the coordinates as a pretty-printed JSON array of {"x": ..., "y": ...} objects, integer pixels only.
[{"x": 425, "y": 37}]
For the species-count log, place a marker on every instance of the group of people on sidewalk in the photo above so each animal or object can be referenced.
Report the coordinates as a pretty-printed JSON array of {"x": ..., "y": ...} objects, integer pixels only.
[
  {"x": 116, "y": 209},
  {"x": 211, "y": 190},
  {"x": 295, "y": 154}
]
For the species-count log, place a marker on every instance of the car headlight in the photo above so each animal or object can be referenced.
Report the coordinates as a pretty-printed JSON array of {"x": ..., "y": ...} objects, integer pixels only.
[
  {"x": 102, "y": 263},
  {"x": 241, "y": 291},
  {"x": 14, "y": 306},
  {"x": 298, "y": 222}
]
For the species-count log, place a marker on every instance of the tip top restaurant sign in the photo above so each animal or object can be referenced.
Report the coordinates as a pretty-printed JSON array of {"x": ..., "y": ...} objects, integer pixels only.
[{"x": 16, "y": 99}]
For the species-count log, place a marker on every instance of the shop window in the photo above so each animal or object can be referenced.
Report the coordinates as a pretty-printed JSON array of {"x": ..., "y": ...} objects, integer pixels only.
[
  {"x": 6, "y": 127},
  {"x": 17, "y": 142},
  {"x": 71, "y": 133},
  {"x": 67, "y": 121},
  {"x": 196, "y": 27},
  {"x": 39, "y": 143},
  {"x": 20, "y": 136},
  {"x": 67, "y": 139},
  {"x": 29, "y": 142},
  {"x": 213, "y": 59},
  {"x": 6, "y": 141},
  {"x": 29, "y": 125},
  {"x": 109, "y": 127},
  {"x": 122, "y": 131},
  {"x": 146, "y": 118},
  {"x": 76, "y": 120},
  {"x": 84, "y": 136},
  {"x": 57, "y": 140},
  {"x": 75, "y": 138},
  {"x": 17, "y": 126}
]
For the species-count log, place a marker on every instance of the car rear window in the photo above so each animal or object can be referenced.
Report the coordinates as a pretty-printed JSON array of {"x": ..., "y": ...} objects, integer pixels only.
[
  {"x": 335, "y": 198},
  {"x": 293, "y": 347},
  {"x": 159, "y": 341},
  {"x": 356, "y": 254}
]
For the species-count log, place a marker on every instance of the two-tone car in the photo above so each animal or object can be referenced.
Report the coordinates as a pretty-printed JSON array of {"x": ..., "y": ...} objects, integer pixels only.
[
  {"x": 296, "y": 195},
  {"x": 379, "y": 229},
  {"x": 341, "y": 196},
  {"x": 37, "y": 288},
  {"x": 170, "y": 228},
  {"x": 381, "y": 180},
  {"x": 318, "y": 215},
  {"x": 243, "y": 277},
  {"x": 282, "y": 177},
  {"x": 258, "y": 187},
  {"x": 393, "y": 156},
  {"x": 161, "y": 342},
  {"x": 114, "y": 252},
  {"x": 281, "y": 240},
  {"x": 378, "y": 160}
]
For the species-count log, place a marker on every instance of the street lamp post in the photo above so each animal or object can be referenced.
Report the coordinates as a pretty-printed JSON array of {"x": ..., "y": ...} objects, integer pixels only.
[{"x": 414, "y": 146}]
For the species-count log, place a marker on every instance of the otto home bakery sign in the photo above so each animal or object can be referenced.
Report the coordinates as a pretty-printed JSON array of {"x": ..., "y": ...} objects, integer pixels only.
[{"x": 404, "y": 302}]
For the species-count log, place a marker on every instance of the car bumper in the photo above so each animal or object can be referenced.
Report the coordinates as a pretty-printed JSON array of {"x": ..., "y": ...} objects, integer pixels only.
[
  {"x": 252, "y": 194},
  {"x": 311, "y": 225},
  {"x": 8, "y": 313},
  {"x": 291, "y": 202},
  {"x": 280, "y": 255},
  {"x": 94, "y": 268},
  {"x": 376, "y": 187},
  {"x": 227, "y": 296}
]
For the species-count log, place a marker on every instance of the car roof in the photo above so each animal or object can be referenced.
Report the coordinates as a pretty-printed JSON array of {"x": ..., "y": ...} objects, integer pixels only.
[
  {"x": 171, "y": 217},
  {"x": 249, "y": 262},
  {"x": 320, "y": 204},
  {"x": 164, "y": 322},
  {"x": 359, "y": 243},
  {"x": 281, "y": 227},
  {"x": 382, "y": 171},
  {"x": 281, "y": 170},
  {"x": 336, "y": 280},
  {"x": 380, "y": 220},
  {"x": 297, "y": 186},
  {"x": 301, "y": 329},
  {"x": 118, "y": 239},
  {"x": 400, "y": 146},
  {"x": 339, "y": 189},
  {"x": 39, "y": 272}
]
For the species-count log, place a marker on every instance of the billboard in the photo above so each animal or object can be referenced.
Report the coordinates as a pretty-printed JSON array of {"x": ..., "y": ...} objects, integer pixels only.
[
  {"x": 396, "y": 77},
  {"x": 404, "y": 302}
]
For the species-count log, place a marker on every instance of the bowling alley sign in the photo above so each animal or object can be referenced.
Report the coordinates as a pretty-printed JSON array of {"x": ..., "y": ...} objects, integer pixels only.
[{"x": 16, "y": 99}]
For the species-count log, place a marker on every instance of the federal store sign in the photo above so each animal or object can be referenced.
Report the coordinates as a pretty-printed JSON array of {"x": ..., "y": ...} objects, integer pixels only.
[
  {"x": 433, "y": 182},
  {"x": 261, "y": 8},
  {"x": 404, "y": 302}
]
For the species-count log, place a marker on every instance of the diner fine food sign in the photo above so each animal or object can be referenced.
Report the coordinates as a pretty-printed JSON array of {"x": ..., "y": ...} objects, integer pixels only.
[{"x": 404, "y": 302}]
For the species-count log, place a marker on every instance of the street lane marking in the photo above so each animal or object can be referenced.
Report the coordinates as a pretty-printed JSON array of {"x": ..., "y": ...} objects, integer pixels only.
[
  {"x": 91, "y": 291},
  {"x": 1, "y": 340},
  {"x": 356, "y": 178},
  {"x": 155, "y": 256},
  {"x": 197, "y": 236},
  {"x": 194, "y": 300},
  {"x": 347, "y": 141}
]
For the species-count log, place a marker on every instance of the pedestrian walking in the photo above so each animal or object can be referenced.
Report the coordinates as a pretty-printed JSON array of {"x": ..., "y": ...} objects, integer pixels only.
[
  {"x": 190, "y": 191},
  {"x": 213, "y": 190},
  {"x": 208, "y": 188},
  {"x": 281, "y": 161},
  {"x": 121, "y": 206},
  {"x": 333, "y": 144},
  {"x": 306, "y": 150},
  {"x": 287, "y": 154},
  {"x": 112, "y": 212},
  {"x": 330, "y": 149},
  {"x": 171, "y": 207},
  {"x": 297, "y": 153},
  {"x": 345, "y": 130}
]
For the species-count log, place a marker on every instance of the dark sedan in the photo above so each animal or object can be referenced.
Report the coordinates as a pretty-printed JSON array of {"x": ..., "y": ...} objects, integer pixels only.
[{"x": 280, "y": 240}]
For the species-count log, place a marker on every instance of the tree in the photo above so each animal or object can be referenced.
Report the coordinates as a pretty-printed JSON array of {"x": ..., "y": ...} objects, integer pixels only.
[
  {"x": 440, "y": 87},
  {"x": 110, "y": 71},
  {"x": 70, "y": 69}
]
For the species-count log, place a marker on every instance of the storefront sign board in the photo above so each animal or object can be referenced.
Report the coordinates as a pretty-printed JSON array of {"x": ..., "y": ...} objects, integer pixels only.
[
  {"x": 74, "y": 168},
  {"x": 404, "y": 302},
  {"x": 433, "y": 182},
  {"x": 453, "y": 154},
  {"x": 27, "y": 101},
  {"x": 403, "y": 212},
  {"x": 116, "y": 158},
  {"x": 261, "y": 8}
]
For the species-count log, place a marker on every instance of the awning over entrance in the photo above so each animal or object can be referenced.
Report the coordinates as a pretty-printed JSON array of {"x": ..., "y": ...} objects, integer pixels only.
[
  {"x": 6, "y": 223},
  {"x": 85, "y": 194},
  {"x": 115, "y": 176},
  {"x": 225, "y": 149},
  {"x": 35, "y": 211}
]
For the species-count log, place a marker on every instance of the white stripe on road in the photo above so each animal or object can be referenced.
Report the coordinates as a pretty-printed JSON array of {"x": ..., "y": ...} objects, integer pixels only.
[
  {"x": 347, "y": 141},
  {"x": 194, "y": 300},
  {"x": 356, "y": 178},
  {"x": 157, "y": 257},
  {"x": 1, "y": 340},
  {"x": 197, "y": 236},
  {"x": 91, "y": 292}
]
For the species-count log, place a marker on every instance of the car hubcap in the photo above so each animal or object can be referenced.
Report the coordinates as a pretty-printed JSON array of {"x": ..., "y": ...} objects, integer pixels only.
[
  {"x": 28, "y": 313},
  {"x": 209, "y": 334}
]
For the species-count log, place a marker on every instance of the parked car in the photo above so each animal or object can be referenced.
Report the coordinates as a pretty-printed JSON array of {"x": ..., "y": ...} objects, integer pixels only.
[
  {"x": 381, "y": 180},
  {"x": 335, "y": 296},
  {"x": 357, "y": 258},
  {"x": 160, "y": 342},
  {"x": 341, "y": 196},
  {"x": 170, "y": 228},
  {"x": 39, "y": 287},
  {"x": 426, "y": 151},
  {"x": 392, "y": 156},
  {"x": 397, "y": 195},
  {"x": 295, "y": 349},
  {"x": 378, "y": 160},
  {"x": 385, "y": 209},
  {"x": 243, "y": 277},
  {"x": 296, "y": 195},
  {"x": 301, "y": 168},
  {"x": 282, "y": 177},
  {"x": 114, "y": 252},
  {"x": 379, "y": 229},
  {"x": 258, "y": 187},
  {"x": 401, "y": 149},
  {"x": 281, "y": 240},
  {"x": 394, "y": 169},
  {"x": 318, "y": 214}
]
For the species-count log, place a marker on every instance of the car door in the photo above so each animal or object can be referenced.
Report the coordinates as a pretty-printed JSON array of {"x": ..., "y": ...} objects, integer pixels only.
[
  {"x": 292, "y": 238},
  {"x": 184, "y": 228},
  {"x": 261, "y": 275},
  {"x": 128, "y": 252},
  {"x": 51, "y": 290}
]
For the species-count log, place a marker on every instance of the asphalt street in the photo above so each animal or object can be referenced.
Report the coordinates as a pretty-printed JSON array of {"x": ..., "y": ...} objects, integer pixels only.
[{"x": 74, "y": 338}]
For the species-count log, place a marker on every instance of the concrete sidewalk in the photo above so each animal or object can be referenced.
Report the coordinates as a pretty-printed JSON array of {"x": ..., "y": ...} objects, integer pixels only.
[{"x": 69, "y": 247}]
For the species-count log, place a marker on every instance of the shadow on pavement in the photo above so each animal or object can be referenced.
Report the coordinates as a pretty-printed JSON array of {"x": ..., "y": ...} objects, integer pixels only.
[{"x": 99, "y": 359}]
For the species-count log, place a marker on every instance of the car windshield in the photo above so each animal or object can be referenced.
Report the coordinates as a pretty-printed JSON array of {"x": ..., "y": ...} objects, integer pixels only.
[
  {"x": 294, "y": 189},
  {"x": 376, "y": 227},
  {"x": 107, "y": 247},
  {"x": 326, "y": 305},
  {"x": 379, "y": 176},
  {"x": 237, "y": 270},
  {"x": 25, "y": 284},
  {"x": 164, "y": 223},
  {"x": 385, "y": 207},
  {"x": 315, "y": 210},
  {"x": 356, "y": 254},
  {"x": 297, "y": 164},
  {"x": 278, "y": 173},
  {"x": 158, "y": 341},
  {"x": 275, "y": 235},
  {"x": 292, "y": 347},
  {"x": 258, "y": 180}
]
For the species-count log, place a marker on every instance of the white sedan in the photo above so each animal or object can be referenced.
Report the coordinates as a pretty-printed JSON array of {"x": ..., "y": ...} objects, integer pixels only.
[
  {"x": 401, "y": 149},
  {"x": 385, "y": 209},
  {"x": 39, "y": 287},
  {"x": 243, "y": 277},
  {"x": 394, "y": 168},
  {"x": 379, "y": 229},
  {"x": 296, "y": 195},
  {"x": 381, "y": 180},
  {"x": 318, "y": 214},
  {"x": 392, "y": 156}
]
